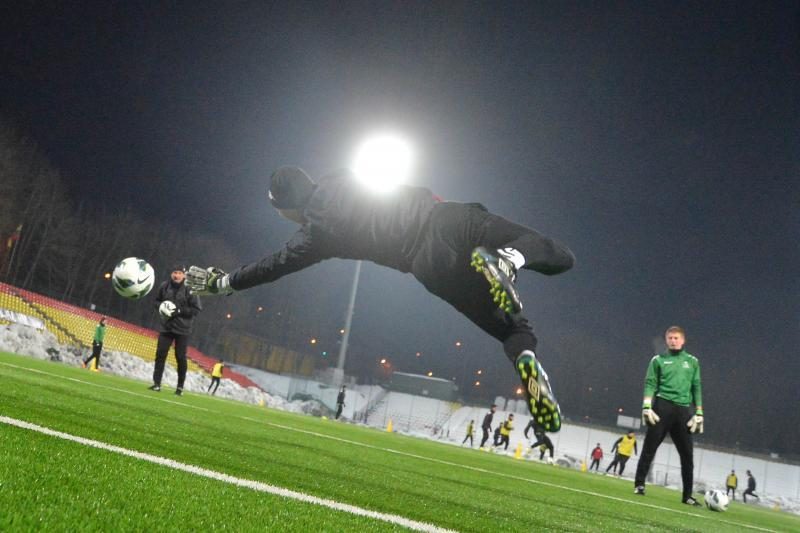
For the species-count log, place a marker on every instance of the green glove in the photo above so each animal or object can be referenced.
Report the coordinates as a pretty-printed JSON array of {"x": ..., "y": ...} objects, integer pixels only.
[{"x": 209, "y": 281}]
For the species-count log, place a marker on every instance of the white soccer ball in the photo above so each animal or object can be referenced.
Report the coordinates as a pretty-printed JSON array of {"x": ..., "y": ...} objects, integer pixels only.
[
  {"x": 133, "y": 278},
  {"x": 167, "y": 309},
  {"x": 716, "y": 500}
]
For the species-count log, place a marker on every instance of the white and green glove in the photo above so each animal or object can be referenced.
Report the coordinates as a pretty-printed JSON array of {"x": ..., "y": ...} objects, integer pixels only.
[
  {"x": 649, "y": 417},
  {"x": 209, "y": 281},
  {"x": 695, "y": 424}
]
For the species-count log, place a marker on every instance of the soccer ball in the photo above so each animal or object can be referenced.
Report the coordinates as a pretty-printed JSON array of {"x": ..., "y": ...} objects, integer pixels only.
[
  {"x": 133, "y": 278},
  {"x": 716, "y": 500}
]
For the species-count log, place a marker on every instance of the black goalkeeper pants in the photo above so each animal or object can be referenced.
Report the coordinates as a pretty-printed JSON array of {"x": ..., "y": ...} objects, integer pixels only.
[
  {"x": 165, "y": 340},
  {"x": 673, "y": 423},
  {"x": 97, "y": 349},
  {"x": 442, "y": 264}
]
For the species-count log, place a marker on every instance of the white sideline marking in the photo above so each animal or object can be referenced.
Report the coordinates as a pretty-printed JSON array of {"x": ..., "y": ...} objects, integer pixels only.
[
  {"x": 151, "y": 396},
  {"x": 415, "y": 456},
  {"x": 219, "y": 476}
]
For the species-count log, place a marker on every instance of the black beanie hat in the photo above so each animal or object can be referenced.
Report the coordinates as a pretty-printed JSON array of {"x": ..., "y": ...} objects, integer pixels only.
[{"x": 290, "y": 188}]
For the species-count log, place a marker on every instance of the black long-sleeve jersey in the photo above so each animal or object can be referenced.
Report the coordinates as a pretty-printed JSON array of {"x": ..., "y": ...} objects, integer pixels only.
[
  {"x": 347, "y": 221},
  {"x": 188, "y": 305},
  {"x": 487, "y": 420}
]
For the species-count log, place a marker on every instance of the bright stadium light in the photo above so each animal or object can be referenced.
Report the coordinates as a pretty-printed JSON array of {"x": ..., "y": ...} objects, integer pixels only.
[{"x": 383, "y": 162}]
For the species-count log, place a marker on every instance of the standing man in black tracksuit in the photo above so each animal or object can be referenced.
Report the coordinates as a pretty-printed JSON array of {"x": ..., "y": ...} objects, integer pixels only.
[
  {"x": 486, "y": 426},
  {"x": 177, "y": 307},
  {"x": 441, "y": 243}
]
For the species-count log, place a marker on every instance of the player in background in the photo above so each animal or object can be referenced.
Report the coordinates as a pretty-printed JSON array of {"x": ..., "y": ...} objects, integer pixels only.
[
  {"x": 470, "y": 434},
  {"x": 751, "y": 487},
  {"x": 731, "y": 484},
  {"x": 505, "y": 432},
  {"x": 671, "y": 386},
  {"x": 216, "y": 376},
  {"x": 340, "y": 402},
  {"x": 177, "y": 307},
  {"x": 486, "y": 426},
  {"x": 542, "y": 440},
  {"x": 97, "y": 344},
  {"x": 441, "y": 243},
  {"x": 624, "y": 447},
  {"x": 597, "y": 456}
]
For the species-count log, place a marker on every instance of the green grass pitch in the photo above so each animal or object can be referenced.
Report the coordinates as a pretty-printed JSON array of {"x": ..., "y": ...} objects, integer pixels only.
[{"x": 51, "y": 484}]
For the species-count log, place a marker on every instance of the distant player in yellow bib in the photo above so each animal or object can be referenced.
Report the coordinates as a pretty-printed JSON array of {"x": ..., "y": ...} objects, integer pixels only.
[
  {"x": 216, "y": 376},
  {"x": 625, "y": 446}
]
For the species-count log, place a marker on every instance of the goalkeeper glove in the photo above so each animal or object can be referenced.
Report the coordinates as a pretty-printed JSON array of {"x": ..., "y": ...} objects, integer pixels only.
[
  {"x": 649, "y": 417},
  {"x": 208, "y": 281},
  {"x": 695, "y": 424},
  {"x": 167, "y": 309}
]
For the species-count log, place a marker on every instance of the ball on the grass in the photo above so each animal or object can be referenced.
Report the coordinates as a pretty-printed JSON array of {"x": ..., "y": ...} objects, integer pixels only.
[{"x": 716, "y": 500}]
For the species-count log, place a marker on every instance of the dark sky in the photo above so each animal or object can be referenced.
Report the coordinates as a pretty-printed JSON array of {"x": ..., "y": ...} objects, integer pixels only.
[{"x": 659, "y": 140}]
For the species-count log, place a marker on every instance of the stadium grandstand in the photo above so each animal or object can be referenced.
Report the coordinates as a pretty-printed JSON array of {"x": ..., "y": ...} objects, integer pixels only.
[{"x": 74, "y": 326}]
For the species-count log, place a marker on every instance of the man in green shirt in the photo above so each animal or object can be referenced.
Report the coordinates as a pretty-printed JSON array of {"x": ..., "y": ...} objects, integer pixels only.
[
  {"x": 671, "y": 386},
  {"x": 97, "y": 344}
]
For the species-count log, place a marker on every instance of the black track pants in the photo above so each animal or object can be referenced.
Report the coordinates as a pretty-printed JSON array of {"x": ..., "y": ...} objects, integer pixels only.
[
  {"x": 673, "y": 423},
  {"x": 165, "y": 340}
]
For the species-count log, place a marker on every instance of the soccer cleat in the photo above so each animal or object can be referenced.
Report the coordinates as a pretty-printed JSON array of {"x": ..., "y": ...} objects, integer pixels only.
[
  {"x": 179, "y": 392},
  {"x": 639, "y": 490},
  {"x": 691, "y": 501},
  {"x": 155, "y": 388},
  {"x": 500, "y": 273},
  {"x": 541, "y": 400}
]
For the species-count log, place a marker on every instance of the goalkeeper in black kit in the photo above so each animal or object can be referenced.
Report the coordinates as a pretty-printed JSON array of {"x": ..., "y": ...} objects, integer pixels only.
[
  {"x": 671, "y": 386},
  {"x": 460, "y": 252}
]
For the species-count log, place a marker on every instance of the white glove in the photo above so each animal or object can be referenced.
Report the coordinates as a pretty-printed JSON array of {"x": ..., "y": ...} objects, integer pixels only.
[
  {"x": 208, "y": 281},
  {"x": 695, "y": 424},
  {"x": 649, "y": 417},
  {"x": 167, "y": 309}
]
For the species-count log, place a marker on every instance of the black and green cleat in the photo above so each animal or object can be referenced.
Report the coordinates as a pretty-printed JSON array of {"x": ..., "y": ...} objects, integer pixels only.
[
  {"x": 541, "y": 400},
  {"x": 500, "y": 273}
]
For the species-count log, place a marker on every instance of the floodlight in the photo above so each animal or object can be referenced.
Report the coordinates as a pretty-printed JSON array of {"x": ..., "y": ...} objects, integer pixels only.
[{"x": 383, "y": 162}]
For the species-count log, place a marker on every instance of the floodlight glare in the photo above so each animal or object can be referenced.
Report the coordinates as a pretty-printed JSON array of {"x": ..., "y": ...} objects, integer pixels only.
[{"x": 383, "y": 162}]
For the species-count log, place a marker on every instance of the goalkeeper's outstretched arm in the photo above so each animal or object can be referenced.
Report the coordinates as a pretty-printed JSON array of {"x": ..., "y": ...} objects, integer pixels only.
[{"x": 306, "y": 247}]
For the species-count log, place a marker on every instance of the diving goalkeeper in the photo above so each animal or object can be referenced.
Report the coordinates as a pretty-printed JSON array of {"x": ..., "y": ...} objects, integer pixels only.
[{"x": 442, "y": 244}]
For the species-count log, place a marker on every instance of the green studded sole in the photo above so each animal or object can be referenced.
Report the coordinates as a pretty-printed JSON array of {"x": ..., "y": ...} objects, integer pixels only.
[
  {"x": 544, "y": 410},
  {"x": 499, "y": 294}
]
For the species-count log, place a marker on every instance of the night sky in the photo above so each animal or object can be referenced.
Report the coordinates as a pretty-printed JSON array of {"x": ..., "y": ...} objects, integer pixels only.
[{"x": 659, "y": 140}]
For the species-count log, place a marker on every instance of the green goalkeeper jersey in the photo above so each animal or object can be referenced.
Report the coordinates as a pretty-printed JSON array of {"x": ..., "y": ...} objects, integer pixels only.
[
  {"x": 674, "y": 377},
  {"x": 99, "y": 334}
]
